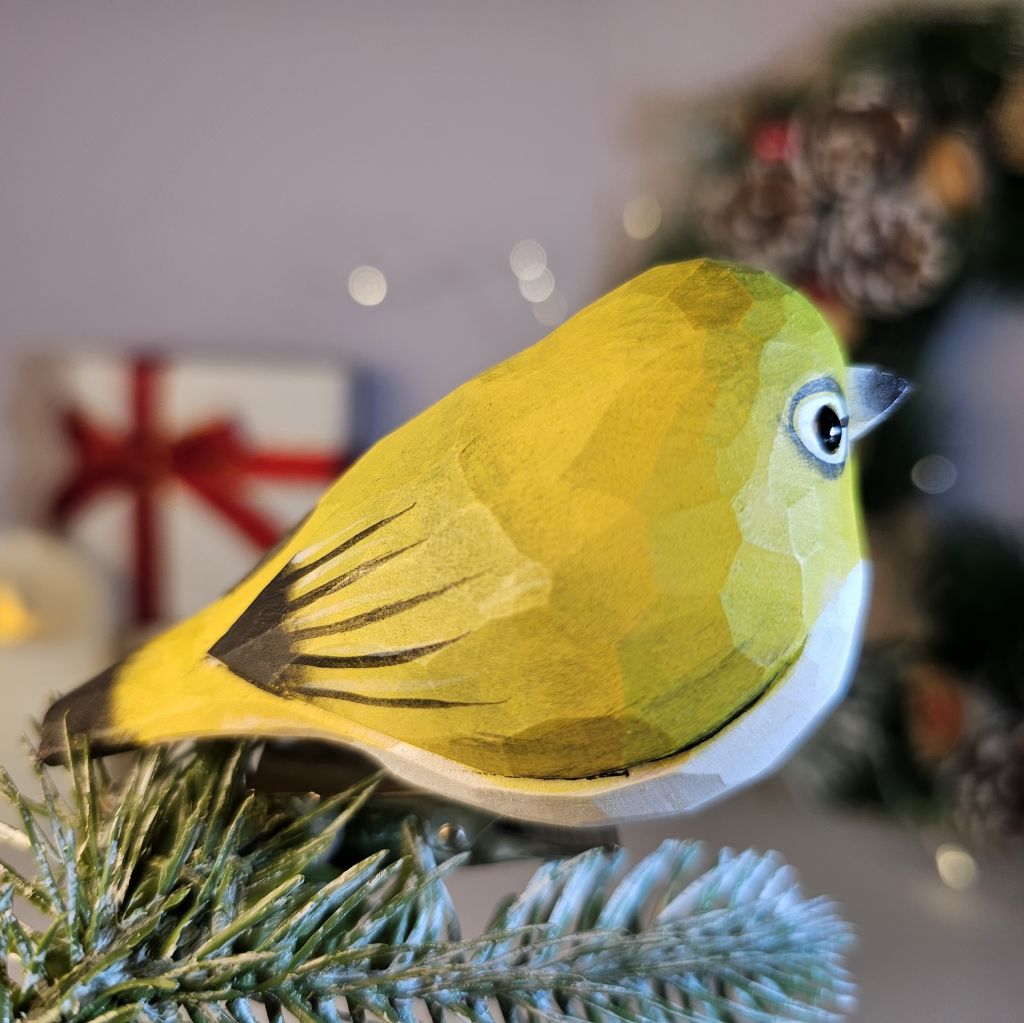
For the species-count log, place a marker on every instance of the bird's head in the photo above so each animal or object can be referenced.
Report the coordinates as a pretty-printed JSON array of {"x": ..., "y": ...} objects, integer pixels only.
[{"x": 768, "y": 425}]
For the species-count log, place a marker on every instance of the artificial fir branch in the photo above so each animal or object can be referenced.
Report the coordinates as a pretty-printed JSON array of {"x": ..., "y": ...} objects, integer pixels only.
[{"x": 180, "y": 895}]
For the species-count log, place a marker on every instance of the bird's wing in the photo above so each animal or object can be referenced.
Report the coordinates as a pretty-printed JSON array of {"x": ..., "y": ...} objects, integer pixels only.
[{"x": 353, "y": 617}]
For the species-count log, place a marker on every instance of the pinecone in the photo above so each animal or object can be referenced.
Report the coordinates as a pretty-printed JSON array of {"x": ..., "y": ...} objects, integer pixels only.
[
  {"x": 766, "y": 216},
  {"x": 885, "y": 255},
  {"x": 864, "y": 138},
  {"x": 1008, "y": 119},
  {"x": 987, "y": 787}
]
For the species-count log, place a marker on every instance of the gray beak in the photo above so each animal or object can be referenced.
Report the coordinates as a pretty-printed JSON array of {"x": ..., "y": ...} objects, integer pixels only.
[{"x": 871, "y": 395}]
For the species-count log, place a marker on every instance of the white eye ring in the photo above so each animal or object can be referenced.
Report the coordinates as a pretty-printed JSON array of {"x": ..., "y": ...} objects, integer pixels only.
[{"x": 821, "y": 424}]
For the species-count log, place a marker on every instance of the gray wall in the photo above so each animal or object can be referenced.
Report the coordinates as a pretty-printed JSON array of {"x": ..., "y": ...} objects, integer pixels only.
[{"x": 206, "y": 174}]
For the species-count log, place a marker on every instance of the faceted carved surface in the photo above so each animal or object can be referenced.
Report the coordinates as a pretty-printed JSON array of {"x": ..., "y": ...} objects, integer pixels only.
[{"x": 592, "y": 556}]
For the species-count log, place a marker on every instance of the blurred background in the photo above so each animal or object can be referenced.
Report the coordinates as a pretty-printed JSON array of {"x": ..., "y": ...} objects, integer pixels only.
[{"x": 240, "y": 240}]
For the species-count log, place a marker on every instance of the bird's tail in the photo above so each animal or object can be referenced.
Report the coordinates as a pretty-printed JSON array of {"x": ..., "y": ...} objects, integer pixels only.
[
  {"x": 86, "y": 710},
  {"x": 171, "y": 689}
]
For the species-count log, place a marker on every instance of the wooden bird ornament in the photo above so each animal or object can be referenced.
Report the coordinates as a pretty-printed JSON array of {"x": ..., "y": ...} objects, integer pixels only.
[{"x": 612, "y": 577}]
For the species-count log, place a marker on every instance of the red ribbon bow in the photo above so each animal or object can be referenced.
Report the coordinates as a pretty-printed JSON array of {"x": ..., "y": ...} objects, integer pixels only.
[{"x": 212, "y": 460}]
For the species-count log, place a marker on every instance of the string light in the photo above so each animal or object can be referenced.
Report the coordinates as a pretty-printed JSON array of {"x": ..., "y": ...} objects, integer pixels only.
[{"x": 367, "y": 285}]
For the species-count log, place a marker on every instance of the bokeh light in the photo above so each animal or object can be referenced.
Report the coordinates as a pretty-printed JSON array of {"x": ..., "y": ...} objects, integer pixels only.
[
  {"x": 933, "y": 474},
  {"x": 641, "y": 217},
  {"x": 956, "y": 866},
  {"x": 528, "y": 259},
  {"x": 367, "y": 285},
  {"x": 539, "y": 288}
]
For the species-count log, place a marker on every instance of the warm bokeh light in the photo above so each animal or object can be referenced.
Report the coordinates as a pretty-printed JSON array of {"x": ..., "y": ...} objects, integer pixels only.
[
  {"x": 367, "y": 285},
  {"x": 956, "y": 866},
  {"x": 641, "y": 217},
  {"x": 17, "y": 622}
]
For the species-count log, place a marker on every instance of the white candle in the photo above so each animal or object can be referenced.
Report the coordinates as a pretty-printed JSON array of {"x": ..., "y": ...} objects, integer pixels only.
[{"x": 56, "y": 630}]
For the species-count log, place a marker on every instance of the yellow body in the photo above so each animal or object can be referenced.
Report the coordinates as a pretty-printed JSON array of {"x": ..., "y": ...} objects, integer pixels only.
[{"x": 592, "y": 556}]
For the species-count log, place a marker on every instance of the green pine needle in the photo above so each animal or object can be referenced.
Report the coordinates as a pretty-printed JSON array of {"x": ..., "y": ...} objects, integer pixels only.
[{"x": 178, "y": 894}]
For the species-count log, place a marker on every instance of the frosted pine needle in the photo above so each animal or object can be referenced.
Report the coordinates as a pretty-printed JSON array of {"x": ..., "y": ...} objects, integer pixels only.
[{"x": 180, "y": 895}]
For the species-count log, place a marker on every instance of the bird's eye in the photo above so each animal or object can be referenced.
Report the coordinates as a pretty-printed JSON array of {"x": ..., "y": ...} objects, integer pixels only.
[
  {"x": 829, "y": 429},
  {"x": 820, "y": 425}
]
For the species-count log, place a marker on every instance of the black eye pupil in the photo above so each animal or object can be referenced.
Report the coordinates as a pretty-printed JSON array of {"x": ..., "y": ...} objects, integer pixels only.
[{"x": 829, "y": 428}]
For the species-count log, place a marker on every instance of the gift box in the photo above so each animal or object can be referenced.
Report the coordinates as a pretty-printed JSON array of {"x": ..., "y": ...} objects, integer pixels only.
[{"x": 175, "y": 475}]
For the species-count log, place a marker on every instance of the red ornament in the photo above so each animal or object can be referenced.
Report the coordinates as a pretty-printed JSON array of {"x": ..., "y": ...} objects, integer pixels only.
[
  {"x": 936, "y": 711},
  {"x": 776, "y": 140}
]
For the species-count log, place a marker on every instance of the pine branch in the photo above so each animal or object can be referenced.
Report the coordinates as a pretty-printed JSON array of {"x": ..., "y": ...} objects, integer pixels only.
[{"x": 180, "y": 895}]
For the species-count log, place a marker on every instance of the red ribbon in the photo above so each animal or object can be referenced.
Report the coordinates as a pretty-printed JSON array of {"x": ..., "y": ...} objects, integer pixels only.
[{"x": 212, "y": 460}]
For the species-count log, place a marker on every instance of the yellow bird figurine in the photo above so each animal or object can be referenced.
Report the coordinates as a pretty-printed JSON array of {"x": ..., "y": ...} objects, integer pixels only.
[{"x": 611, "y": 577}]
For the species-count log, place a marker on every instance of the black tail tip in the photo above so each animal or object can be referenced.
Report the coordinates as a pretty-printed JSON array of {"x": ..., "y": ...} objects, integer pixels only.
[{"x": 83, "y": 711}]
